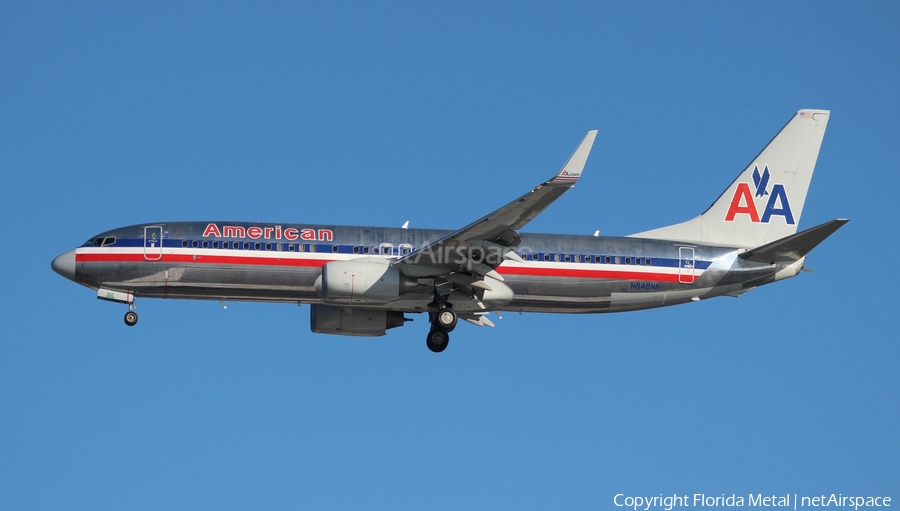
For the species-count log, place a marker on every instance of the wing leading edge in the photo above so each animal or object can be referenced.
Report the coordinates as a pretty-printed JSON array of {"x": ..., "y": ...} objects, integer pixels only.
[{"x": 482, "y": 245}]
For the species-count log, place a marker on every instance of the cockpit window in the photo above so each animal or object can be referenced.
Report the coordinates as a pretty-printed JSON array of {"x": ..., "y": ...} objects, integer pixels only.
[{"x": 100, "y": 242}]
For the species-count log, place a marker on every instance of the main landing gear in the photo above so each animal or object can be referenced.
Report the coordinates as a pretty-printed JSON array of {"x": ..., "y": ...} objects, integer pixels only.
[
  {"x": 131, "y": 316},
  {"x": 442, "y": 323},
  {"x": 437, "y": 340}
]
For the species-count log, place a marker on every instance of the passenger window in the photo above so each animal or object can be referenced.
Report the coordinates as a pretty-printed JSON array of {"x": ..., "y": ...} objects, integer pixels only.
[
  {"x": 648, "y": 261},
  {"x": 576, "y": 258},
  {"x": 607, "y": 259},
  {"x": 246, "y": 245},
  {"x": 268, "y": 246},
  {"x": 334, "y": 249},
  {"x": 280, "y": 247},
  {"x": 195, "y": 243},
  {"x": 205, "y": 244},
  {"x": 312, "y": 248},
  {"x": 224, "y": 244},
  {"x": 184, "y": 243},
  {"x": 256, "y": 246},
  {"x": 365, "y": 250},
  {"x": 567, "y": 257},
  {"x": 215, "y": 244},
  {"x": 627, "y": 260},
  {"x": 290, "y": 247},
  {"x": 556, "y": 257},
  {"x": 546, "y": 256},
  {"x": 355, "y": 250}
]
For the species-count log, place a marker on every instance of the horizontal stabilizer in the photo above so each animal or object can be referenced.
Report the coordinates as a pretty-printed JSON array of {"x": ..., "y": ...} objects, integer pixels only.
[{"x": 793, "y": 247}]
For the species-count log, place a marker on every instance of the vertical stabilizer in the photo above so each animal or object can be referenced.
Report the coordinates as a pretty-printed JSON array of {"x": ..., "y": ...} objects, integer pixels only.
[{"x": 765, "y": 202}]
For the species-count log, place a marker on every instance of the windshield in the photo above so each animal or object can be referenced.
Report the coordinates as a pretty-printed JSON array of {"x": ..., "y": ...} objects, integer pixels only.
[{"x": 102, "y": 241}]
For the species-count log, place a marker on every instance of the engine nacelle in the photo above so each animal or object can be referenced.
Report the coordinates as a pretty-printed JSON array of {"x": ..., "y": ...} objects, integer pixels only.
[
  {"x": 368, "y": 280},
  {"x": 337, "y": 320}
]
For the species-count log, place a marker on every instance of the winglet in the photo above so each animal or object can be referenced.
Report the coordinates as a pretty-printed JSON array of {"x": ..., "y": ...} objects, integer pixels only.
[{"x": 571, "y": 171}]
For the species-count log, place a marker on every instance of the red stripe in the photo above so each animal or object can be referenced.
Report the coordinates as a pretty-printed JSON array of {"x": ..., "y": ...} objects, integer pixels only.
[{"x": 268, "y": 261}]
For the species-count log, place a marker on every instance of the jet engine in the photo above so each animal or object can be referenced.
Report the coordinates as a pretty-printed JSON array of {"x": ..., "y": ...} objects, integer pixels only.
[
  {"x": 329, "y": 319},
  {"x": 369, "y": 280}
]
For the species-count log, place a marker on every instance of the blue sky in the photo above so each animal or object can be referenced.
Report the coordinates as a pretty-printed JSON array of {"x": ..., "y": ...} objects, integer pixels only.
[{"x": 117, "y": 113}]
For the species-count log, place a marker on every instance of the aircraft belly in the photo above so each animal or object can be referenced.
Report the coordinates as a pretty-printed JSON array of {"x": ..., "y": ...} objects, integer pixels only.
[
  {"x": 550, "y": 294},
  {"x": 591, "y": 295},
  {"x": 208, "y": 281}
]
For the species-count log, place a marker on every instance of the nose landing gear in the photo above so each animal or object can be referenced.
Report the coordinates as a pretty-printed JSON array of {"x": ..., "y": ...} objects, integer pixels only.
[
  {"x": 126, "y": 297},
  {"x": 131, "y": 316}
]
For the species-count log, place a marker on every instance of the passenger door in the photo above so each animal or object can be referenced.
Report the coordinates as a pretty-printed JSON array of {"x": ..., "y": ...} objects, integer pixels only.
[
  {"x": 686, "y": 265},
  {"x": 153, "y": 236}
]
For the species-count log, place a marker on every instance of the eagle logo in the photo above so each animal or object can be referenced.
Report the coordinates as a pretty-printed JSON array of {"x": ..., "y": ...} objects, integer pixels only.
[{"x": 761, "y": 182}]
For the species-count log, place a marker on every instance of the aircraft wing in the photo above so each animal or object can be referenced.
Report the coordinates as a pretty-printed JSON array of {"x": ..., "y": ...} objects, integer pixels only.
[{"x": 482, "y": 245}]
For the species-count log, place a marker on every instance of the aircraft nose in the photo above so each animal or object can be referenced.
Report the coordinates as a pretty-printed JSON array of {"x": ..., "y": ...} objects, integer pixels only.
[{"x": 64, "y": 264}]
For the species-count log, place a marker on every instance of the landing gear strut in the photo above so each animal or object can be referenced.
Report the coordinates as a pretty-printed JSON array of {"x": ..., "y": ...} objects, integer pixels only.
[
  {"x": 443, "y": 319},
  {"x": 131, "y": 316}
]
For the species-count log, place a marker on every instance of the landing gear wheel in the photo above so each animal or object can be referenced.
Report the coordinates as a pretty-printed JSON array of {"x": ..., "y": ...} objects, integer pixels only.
[
  {"x": 437, "y": 340},
  {"x": 445, "y": 320},
  {"x": 131, "y": 318}
]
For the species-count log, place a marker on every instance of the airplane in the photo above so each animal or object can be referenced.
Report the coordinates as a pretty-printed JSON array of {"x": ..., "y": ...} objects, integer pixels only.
[{"x": 362, "y": 281}]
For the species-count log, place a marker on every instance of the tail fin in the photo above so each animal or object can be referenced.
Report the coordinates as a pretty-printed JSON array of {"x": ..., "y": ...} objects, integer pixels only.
[{"x": 765, "y": 202}]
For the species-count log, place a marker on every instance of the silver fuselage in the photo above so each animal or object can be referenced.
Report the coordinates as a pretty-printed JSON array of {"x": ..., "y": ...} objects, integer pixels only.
[{"x": 281, "y": 263}]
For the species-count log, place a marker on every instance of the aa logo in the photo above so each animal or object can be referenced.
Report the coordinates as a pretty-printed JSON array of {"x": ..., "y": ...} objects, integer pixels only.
[{"x": 744, "y": 200}]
